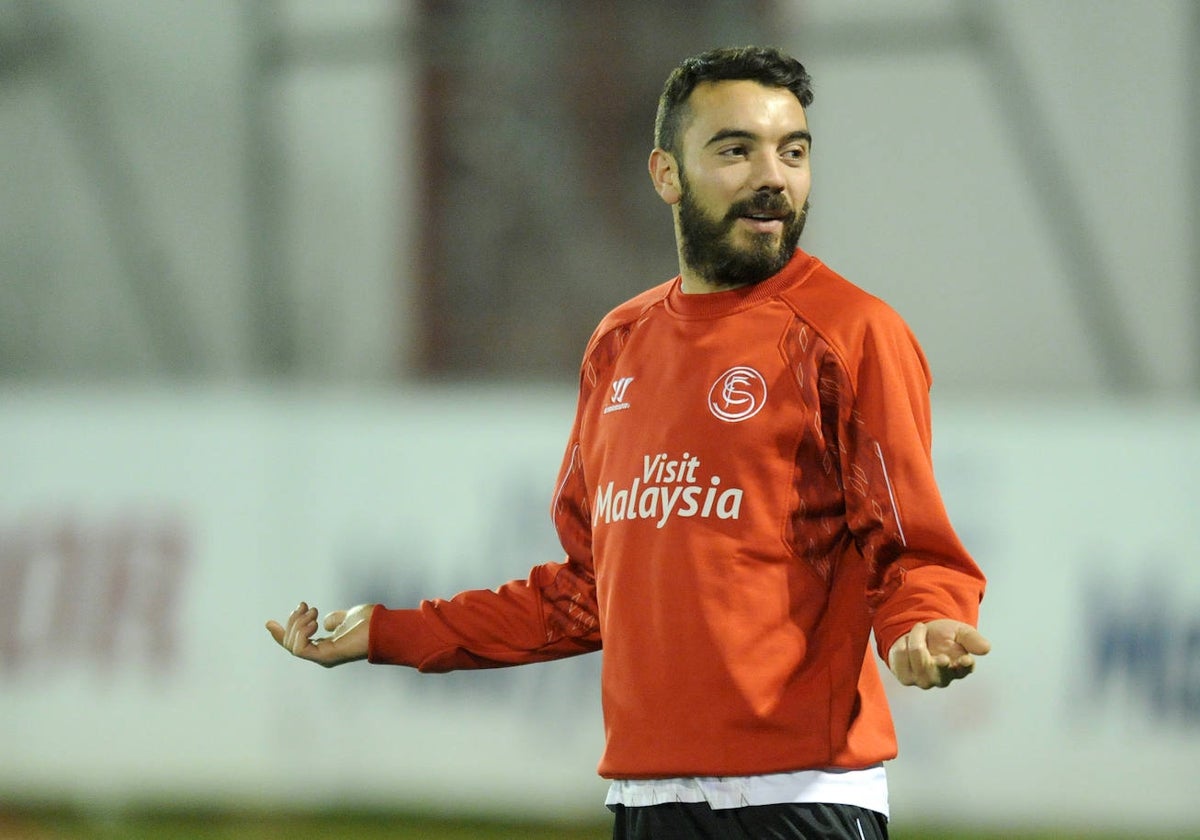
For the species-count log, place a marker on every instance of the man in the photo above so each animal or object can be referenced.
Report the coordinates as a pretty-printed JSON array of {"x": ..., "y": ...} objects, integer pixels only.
[{"x": 747, "y": 494}]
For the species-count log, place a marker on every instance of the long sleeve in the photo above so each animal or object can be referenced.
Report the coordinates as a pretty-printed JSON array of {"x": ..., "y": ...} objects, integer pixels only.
[
  {"x": 921, "y": 569},
  {"x": 550, "y": 615}
]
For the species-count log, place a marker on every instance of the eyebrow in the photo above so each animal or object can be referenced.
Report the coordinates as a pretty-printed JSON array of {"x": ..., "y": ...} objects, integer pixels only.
[{"x": 742, "y": 134}]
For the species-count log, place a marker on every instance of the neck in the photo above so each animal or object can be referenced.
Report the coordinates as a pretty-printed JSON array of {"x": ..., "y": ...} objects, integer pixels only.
[{"x": 692, "y": 283}]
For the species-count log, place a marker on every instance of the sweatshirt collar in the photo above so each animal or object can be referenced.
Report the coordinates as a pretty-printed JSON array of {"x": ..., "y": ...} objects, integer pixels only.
[{"x": 716, "y": 304}]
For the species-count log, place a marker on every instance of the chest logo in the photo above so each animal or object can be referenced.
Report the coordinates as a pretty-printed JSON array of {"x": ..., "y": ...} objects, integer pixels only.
[
  {"x": 617, "y": 401},
  {"x": 738, "y": 394}
]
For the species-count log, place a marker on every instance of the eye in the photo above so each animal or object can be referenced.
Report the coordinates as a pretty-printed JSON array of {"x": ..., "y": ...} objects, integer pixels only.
[
  {"x": 738, "y": 151},
  {"x": 795, "y": 154}
]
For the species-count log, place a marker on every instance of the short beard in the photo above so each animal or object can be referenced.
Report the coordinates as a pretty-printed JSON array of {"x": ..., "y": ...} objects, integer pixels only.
[{"x": 705, "y": 242}]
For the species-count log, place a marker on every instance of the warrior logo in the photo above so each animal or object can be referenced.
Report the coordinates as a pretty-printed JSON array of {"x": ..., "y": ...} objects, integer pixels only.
[
  {"x": 617, "y": 401},
  {"x": 738, "y": 394}
]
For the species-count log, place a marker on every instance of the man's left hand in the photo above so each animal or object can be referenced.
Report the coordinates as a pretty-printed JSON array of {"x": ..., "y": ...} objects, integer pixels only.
[{"x": 936, "y": 653}]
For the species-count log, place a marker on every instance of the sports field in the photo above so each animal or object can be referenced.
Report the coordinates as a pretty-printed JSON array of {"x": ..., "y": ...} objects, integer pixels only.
[{"x": 61, "y": 825}]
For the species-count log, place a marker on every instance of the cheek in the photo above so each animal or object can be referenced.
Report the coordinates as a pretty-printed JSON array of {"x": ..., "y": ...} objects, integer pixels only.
[
  {"x": 801, "y": 184},
  {"x": 717, "y": 186},
  {"x": 712, "y": 200}
]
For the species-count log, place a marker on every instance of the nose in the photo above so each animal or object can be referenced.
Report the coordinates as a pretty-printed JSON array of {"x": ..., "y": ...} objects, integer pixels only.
[{"x": 768, "y": 175}]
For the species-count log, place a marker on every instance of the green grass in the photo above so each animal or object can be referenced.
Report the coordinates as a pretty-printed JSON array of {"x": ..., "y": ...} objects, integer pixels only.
[
  {"x": 58, "y": 824},
  {"x": 65, "y": 825}
]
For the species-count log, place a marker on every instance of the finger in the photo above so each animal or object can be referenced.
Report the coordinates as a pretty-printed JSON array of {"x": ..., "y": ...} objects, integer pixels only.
[
  {"x": 965, "y": 662},
  {"x": 934, "y": 645},
  {"x": 913, "y": 659},
  {"x": 289, "y": 629},
  {"x": 972, "y": 640},
  {"x": 947, "y": 675},
  {"x": 334, "y": 619},
  {"x": 300, "y": 629},
  {"x": 306, "y": 628},
  {"x": 920, "y": 662},
  {"x": 276, "y": 631},
  {"x": 898, "y": 660}
]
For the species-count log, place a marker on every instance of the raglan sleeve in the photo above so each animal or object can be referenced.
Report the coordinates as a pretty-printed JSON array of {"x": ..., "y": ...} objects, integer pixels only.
[
  {"x": 919, "y": 569},
  {"x": 551, "y": 614}
]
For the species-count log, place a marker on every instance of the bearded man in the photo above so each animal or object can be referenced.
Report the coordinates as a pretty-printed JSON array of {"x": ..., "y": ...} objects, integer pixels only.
[{"x": 746, "y": 498}]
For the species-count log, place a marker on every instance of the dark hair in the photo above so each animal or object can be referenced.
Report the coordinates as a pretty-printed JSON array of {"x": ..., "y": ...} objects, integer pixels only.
[{"x": 765, "y": 65}]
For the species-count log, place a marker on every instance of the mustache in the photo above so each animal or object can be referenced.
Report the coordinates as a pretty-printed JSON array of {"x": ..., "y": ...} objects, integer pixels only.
[{"x": 764, "y": 202}]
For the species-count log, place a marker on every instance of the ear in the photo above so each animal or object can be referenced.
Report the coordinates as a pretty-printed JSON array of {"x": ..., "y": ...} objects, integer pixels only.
[{"x": 664, "y": 172}]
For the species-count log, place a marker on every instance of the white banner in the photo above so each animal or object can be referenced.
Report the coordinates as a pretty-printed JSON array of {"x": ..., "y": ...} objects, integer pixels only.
[
  {"x": 144, "y": 540},
  {"x": 1086, "y": 714}
]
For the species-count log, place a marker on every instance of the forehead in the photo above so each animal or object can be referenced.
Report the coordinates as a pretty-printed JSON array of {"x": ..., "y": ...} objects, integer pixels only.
[{"x": 742, "y": 105}]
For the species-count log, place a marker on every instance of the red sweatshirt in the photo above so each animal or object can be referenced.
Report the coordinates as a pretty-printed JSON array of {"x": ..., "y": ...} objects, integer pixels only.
[{"x": 746, "y": 494}]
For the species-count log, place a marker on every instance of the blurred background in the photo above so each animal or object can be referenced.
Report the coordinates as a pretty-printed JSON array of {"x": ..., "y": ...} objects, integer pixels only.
[{"x": 292, "y": 299}]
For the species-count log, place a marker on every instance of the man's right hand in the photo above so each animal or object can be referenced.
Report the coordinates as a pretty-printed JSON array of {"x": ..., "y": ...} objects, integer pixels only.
[{"x": 347, "y": 641}]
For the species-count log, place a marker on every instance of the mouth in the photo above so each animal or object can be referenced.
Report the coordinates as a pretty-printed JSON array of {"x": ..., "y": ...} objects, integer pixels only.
[
  {"x": 764, "y": 222},
  {"x": 763, "y": 213}
]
